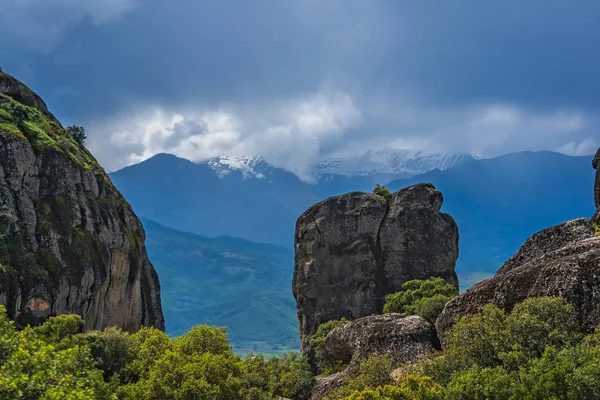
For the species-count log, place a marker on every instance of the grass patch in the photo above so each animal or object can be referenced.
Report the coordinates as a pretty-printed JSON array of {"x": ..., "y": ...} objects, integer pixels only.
[
  {"x": 5, "y": 115},
  {"x": 13, "y": 129}
]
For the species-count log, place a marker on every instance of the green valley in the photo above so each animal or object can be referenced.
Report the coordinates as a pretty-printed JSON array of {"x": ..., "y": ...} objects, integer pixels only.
[{"x": 225, "y": 281}]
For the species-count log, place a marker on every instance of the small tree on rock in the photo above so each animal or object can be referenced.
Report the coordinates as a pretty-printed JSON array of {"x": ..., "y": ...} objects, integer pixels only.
[
  {"x": 78, "y": 133},
  {"x": 381, "y": 191}
]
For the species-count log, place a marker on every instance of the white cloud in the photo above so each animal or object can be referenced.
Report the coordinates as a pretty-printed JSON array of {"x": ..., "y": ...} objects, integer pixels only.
[
  {"x": 287, "y": 133},
  {"x": 485, "y": 130},
  {"x": 40, "y": 24},
  {"x": 585, "y": 147},
  {"x": 297, "y": 133}
]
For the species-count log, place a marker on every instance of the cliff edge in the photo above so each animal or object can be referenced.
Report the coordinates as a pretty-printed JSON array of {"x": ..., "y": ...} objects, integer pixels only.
[{"x": 69, "y": 242}]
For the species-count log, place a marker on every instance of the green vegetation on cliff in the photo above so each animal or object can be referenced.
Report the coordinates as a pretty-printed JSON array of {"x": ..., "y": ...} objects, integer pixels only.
[
  {"x": 45, "y": 133},
  {"x": 382, "y": 192}
]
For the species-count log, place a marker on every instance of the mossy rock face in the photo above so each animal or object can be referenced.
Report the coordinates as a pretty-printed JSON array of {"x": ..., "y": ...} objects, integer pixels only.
[{"x": 66, "y": 234}]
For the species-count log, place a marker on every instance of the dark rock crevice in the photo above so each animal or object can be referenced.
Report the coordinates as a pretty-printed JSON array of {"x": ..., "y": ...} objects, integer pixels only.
[{"x": 380, "y": 277}]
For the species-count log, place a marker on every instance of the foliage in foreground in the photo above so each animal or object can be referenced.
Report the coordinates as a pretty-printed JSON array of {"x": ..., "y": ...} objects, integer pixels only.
[
  {"x": 534, "y": 352},
  {"x": 55, "y": 361},
  {"x": 426, "y": 298},
  {"x": 326, "y": 364}
]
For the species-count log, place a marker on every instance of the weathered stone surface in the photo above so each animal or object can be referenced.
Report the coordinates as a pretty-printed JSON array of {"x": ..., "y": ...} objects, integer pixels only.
[
  {"x": 549, "y": 240},
  {"x": 596, "y": 165},
  {"x": 69, "y": 242},
  {"x": 353, "y": 250},
  {"x": 326, "y": 384},
  {"x": 14, "y": 88},
  {"x": 405, "y": 338},
  {"x": 563, "y": 260}
]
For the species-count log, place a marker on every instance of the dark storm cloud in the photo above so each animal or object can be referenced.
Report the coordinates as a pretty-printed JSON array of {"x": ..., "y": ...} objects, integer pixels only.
[{"x": 419, "y": 73}]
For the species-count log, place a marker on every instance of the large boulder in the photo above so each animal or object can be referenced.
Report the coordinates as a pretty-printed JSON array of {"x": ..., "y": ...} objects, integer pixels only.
[
  {"x": 405, "y": 338},
  {"x": 69, "y": 242},
  {"x": 563, "y": 260},
  {"x": 353, "y": 250}
]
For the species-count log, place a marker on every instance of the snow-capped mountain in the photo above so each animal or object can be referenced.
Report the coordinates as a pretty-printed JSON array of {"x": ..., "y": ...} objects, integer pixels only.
[
  {"x": 249, "y": 167},
  {"x": 387, "y": 163},
  {"x": 400, "y": 163}
]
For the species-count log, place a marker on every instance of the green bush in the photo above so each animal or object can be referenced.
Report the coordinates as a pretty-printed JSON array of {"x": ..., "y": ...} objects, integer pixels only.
[
  {"x": 32, "y": 367},
  {"x": 381, "y": 191},
  {"x": 412, "y": 388},
  {"x": 55, "y": 329},
  {"x": 372, "y": 372},
  {"x": 288, "y": 376},
  {"x": 326, "y": 364},
  {"x": 426, "y": 298},
  {"x": 110, "y": 349},
  {"x": 493, "y": 338}
]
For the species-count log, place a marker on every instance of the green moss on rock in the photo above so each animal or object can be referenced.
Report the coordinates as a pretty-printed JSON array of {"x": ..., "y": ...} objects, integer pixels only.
[{"x": 44, "y": 133}]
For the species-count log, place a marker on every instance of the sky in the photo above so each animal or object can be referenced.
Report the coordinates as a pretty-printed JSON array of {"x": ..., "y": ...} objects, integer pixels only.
[{"x": 300, "y": 81}]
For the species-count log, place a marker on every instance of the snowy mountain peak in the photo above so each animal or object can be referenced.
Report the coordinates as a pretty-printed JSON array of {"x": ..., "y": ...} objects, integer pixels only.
[
  {"x": 249, "y": 167},
  {"x": 388, "y": 163},
  {"x": 400, "y": 163}
]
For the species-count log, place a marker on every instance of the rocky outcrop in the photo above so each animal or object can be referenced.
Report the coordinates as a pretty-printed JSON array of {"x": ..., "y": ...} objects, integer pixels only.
[
  {"x": 596, "y": 166},
  {"x": 405, "y": 338},
  {"x": 327, "y": 384},
  {"x": 563, "y": 260},
  {"x": 69, "y": 242},
  {"x": 12, "y": 87},
  {"x": 353, "y": 250}
]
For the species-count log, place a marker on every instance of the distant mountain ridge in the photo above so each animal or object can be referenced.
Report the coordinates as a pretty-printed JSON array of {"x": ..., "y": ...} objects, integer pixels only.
[
  {"x": 399, "y": 163},
  {"x": 484, "y": 195},
  {"x": 382, "y": 164}
]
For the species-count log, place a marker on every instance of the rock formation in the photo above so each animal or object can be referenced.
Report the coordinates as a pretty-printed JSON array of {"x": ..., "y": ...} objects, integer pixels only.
[
  {"x": 405, "y": 338},
  {"x": 353, "y": 250},
  {"x": 596, "y": 166},
  {"x": 69, "y": 242},
  {"x": 563, "y": 260}
]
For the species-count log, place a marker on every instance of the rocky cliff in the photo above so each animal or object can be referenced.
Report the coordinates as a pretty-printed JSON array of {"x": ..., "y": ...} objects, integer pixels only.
[
  {"x": 563, "y": 260},
  {"x": 353, "y": 250},
  {"x": 69, "y": 242},
  {"x": 596, "y": 166}
]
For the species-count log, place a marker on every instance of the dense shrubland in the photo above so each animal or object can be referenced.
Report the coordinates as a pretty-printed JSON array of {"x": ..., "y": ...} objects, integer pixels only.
[
  {"x": 56, "y": 361},
  {"x": 533, "y": 352}
]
